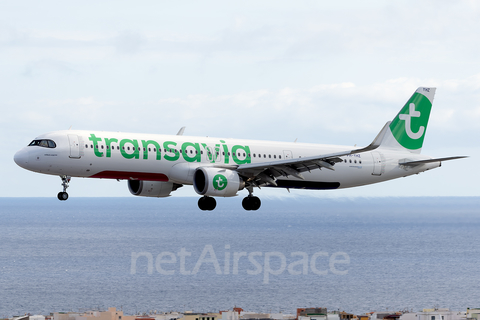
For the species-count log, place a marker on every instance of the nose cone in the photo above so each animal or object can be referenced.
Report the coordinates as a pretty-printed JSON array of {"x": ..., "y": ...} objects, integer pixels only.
[{"x": 21, "y": 158}]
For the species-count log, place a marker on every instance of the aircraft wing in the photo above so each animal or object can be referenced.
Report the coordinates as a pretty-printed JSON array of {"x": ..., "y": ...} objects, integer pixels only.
[{"x": 267, "y": 172}]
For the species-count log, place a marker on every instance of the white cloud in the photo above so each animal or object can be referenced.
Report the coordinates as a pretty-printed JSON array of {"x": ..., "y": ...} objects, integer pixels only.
[
  {"x": 400, "y": 31},
  {"x": 129, "y": 42}
]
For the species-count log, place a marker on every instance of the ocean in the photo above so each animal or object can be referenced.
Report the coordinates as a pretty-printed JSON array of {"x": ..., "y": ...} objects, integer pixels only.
[{"x": 141, "y": 254}]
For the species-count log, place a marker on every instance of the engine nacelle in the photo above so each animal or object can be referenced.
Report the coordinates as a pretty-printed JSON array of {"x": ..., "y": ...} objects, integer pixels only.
[
  {"x": 151, "y": 188},
  {"x": 217, "y": 182}
]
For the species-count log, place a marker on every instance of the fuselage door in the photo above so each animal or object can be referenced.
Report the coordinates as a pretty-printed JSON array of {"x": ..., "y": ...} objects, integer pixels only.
[
  {"x": 74, "y": 146},
  {"x": 378, "y": 163},
  {"x": 212, "y": 154},
  {"x": 287, "y": 154}
]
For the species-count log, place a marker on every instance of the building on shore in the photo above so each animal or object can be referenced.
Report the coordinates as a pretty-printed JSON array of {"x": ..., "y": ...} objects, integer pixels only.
[
  {"x": 473, "y": 313},
  {"x": 111, "y": 314},
  {"x": 239, "y": 314},
  {"x": 190, "y": 315},
  {"x": 434, "y": 314}
]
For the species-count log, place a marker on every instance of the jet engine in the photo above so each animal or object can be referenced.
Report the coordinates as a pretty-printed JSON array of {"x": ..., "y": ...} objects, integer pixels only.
[
  {"x": 210, "y": 181},
  {"x": 152, "y": 188}
]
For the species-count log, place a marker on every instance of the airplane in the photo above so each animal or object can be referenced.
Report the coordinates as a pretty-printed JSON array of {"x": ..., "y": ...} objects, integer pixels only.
[{"x": 156, "y": 165}]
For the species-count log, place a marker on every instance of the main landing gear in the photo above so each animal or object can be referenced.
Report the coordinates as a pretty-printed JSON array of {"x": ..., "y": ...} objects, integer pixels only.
[
  {"x": 62, "y": 196},
  {"x": 251, "y": 203},
  {"x": 207, "y": 203}
]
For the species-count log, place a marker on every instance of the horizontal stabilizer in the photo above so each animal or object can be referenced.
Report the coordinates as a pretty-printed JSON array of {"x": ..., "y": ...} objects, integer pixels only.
[{"x": 419, "y": 162}]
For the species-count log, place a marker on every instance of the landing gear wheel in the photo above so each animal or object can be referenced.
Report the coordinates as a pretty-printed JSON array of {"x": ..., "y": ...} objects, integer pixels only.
[
  {"x": 256, "y": 203},
  {"x": 207, "y": 203},
  {"x": 62, "y": 196},
  {"x": 246, "y": 203},
  {"x": 251, "y": 203}
]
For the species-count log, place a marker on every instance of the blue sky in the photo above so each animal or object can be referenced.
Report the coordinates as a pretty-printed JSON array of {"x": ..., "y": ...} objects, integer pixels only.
[{"x": 272, "y": 70}]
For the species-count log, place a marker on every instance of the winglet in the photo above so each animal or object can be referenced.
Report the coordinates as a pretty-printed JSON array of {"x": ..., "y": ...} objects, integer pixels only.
[
  {"x": 377, "y": 141},
  {"x": 181, "y": 131}
]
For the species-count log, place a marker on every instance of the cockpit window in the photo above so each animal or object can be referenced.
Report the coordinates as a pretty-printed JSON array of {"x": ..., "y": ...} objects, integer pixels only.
[{"x": 43, "y": 143}]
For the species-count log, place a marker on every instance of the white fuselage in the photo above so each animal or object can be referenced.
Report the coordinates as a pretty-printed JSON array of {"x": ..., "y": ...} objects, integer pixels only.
[{"x": 114, "y": 155}]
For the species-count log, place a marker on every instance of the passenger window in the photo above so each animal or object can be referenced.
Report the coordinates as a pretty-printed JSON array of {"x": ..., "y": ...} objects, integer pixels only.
[
  {"x": 279, "y": 157},
  {"x": 270, "y": 156},
  {"x": 274, "y": 156},
  {"x": 86, "y": 146}
]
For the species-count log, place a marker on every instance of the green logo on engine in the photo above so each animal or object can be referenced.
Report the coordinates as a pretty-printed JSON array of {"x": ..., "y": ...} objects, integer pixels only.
[{"x": 219, "y": 182}]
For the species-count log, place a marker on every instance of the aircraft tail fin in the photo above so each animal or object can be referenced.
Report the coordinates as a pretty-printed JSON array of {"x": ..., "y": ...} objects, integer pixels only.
[{"x": 407, "y": 130}]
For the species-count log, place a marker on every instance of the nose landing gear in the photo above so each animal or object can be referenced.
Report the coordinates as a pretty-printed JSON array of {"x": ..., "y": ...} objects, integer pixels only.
[{"x": 62, "y": 196}]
